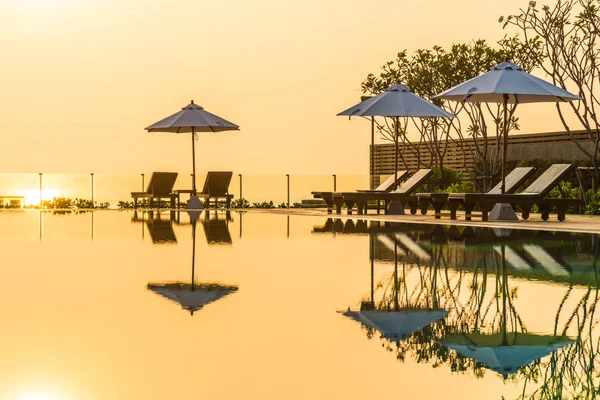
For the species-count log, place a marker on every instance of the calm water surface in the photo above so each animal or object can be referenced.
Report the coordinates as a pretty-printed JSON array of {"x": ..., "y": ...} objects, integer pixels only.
[{"x": 110, "y": 305}]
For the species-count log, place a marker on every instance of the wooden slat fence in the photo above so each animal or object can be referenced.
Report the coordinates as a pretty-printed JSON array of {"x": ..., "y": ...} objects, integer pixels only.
[{"x": 460, "y": 155}]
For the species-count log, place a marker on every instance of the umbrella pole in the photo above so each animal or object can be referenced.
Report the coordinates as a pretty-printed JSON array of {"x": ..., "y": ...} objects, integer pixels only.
[
  {"x": 193, "y": 252},
  {"x": 372, "y": 256},
  {"x": 372, "y": 152},
  {"x": 396, "y": 307},
  {"x": 504, "y": 295},
  {"x": 503, "y": 211},
  {"x": 504, "y": 143},
  {"x": 194, "y": 161},
  {"x": 396, "y": 143}
]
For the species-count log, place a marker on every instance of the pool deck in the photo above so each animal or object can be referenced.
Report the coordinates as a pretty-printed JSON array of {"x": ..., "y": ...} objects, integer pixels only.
[{"x": 573, "y": 223}]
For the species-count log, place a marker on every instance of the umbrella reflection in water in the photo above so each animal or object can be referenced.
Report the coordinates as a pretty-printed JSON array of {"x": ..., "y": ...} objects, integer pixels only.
[
  {"x": 395, "y": 323},
  {"x": 466, "y": 271},
  {"x": 505, "y": 353},
  {"x": 194, "y": 295},
  {"x": 506, "y": 349}
]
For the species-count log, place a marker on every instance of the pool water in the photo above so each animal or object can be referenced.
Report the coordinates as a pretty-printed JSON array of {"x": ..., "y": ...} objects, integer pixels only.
[{"x": 123, "y": 305}]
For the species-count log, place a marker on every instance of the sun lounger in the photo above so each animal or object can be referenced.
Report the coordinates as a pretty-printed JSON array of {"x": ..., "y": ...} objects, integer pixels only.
[
  {"x": 388, "y": 184},
  {"x": 216, "y": 187},
  {"x": 513, "y": 181},
  {"x": 385, "y": 186},
  {"x": 534, "y": 194},
  {"x": 403, "y": 195},
  {"x": 160, "y": 187}
]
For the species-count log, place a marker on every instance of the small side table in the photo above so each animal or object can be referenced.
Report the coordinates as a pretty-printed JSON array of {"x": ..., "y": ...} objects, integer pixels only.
[{"x": 180, "y": 192}]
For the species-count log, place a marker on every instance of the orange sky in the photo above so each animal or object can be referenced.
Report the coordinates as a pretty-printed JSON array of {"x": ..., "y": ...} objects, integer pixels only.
[{"x": 81, "y": 79}]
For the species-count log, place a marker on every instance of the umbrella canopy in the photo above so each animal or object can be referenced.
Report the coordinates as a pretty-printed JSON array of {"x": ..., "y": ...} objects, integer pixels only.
[
  {"x": 192, "y": 119},
  {"x": 192, "y": 297},
  {"x": 510, "y": 81},
  {"x": 505, "y": 353},
  {"x": 396, "y": 325},
  {"x": 396, "y": 101},
  {"x": 506, "y": 83}
]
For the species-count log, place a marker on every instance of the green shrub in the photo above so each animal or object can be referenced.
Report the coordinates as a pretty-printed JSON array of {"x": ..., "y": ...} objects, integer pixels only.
[
  {"x": 564, "y": 190},
  {"x": 240, "y": 203},
  {"x": 58, "y": 202},
  {"x": 82, "y": 203},
  {"x": 264, "y": 204},
  {"x": 125, "y": 204},
  {"x": 461, "y": 187},
  {"x": 593, "y": 203},
  {"x": 442, "y": 179}
]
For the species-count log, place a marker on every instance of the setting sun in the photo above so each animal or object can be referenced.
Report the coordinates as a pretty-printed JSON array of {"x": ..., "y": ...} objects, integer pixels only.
[{"x": 32, "y": 196}]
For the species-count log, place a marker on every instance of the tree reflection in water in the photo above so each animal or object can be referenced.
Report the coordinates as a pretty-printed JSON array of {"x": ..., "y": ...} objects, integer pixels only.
[{"x": 479, "y": 289}]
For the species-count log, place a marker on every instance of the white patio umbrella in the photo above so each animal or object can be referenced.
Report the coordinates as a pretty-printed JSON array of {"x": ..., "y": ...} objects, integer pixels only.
[
  {"x": 505, "y": 354},
  {"x": 506, "y": 83},
  {"x": 194, "y": 295},
  {"x": 396, "y": 101},
  {"x": 193, "y": 119}
]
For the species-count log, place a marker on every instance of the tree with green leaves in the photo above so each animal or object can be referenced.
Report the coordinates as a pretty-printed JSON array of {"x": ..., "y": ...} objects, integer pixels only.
[
  {"x": 569, "y": 33},
  {"x": 430, "y": 71}
]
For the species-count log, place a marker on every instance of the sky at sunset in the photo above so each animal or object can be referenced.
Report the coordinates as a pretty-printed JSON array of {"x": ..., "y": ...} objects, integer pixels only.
[{"x": 81, "y": 79}]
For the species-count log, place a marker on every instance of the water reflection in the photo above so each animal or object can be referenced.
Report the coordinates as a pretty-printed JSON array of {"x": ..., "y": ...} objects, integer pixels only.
[
  {"x": 194, "y": 295},
  {"x": 561, "y": 257},
  {"x": 480, "y": 276},
  {"x": 393, "y": 321},
  {"x": 64, "y": 213},
  {"x": 216, "y": 227},
  {"x": 506, "y": 352},
  {"x": 159, "y": 225}
]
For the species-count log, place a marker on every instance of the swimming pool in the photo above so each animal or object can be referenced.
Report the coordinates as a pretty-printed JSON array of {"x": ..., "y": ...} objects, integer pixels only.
[{"x": 100, "y": 305}]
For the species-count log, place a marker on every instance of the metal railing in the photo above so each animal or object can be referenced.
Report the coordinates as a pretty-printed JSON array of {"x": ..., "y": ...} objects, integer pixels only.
[{"x": 283, "y": 190}]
